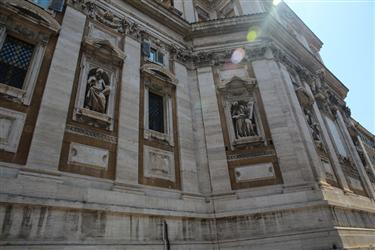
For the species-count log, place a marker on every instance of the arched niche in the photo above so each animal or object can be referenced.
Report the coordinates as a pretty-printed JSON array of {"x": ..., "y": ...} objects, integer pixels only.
[{"x": 241, "y": 111}]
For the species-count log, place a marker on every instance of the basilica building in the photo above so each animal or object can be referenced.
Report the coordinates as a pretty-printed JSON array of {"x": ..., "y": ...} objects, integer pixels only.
[{"x": 176, "y": 124}]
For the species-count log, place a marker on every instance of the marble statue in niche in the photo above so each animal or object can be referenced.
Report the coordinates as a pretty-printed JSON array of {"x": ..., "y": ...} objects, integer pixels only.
[
  {"x": 315, "y": 130},
  {"x": 314, "y": 127},
  {"x": 97, "y": 90},
  {"x": 243, "y": 119}
]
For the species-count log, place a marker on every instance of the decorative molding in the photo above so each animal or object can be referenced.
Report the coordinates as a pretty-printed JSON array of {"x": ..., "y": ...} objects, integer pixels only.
[
  {"x": 33, "y": 12},
  {"x": 104, "y": 48},
  {"x": 90, "y": 133},
  {"x": 249, "y": 155},
  {"x": 122, "y": 25},
  {"x": 159, "y": 71}
]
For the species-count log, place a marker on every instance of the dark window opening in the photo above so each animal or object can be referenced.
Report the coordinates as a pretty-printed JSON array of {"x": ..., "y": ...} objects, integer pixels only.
[
  {"x": 15, "y": 57},
  {"x": 156, "y": 112}
]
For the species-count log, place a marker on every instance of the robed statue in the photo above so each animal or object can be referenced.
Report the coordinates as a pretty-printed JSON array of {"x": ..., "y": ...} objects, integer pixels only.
[
  {"x": 97, "y": 91},
  {"x": 243, "y": 119}
]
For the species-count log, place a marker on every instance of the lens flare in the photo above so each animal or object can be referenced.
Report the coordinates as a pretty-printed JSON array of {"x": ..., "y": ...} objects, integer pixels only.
[
  {"x": 251, "y": 35},
  {"x": 238, "y": 55},
  {"x": 276, "y": 2}
]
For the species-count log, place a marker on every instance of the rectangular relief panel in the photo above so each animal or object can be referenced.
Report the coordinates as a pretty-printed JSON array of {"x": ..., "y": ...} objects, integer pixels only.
[
  {"x": 262, "y": 171},
  {"x": 159, "y": 164},
  {"x": 88, "y": 156},
  {"x": 11, "y": 127}
]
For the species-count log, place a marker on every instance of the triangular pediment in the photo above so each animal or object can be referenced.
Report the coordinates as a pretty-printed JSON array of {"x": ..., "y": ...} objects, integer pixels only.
[{"x": 237, "y": 83}]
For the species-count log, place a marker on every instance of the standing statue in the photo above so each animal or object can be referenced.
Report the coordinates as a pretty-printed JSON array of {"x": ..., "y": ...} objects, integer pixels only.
[
  {"x": 97, "y": 92},
  {"x": 243, "y": 119},
  {"x": 314, "y": 127}
]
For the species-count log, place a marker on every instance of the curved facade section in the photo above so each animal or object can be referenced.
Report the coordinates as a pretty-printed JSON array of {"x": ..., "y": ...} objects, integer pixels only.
[{"x": 175, "y": 125}]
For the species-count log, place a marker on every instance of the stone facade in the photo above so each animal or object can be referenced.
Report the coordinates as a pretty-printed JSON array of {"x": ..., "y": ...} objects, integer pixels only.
[{"x": 162, "y": 124}]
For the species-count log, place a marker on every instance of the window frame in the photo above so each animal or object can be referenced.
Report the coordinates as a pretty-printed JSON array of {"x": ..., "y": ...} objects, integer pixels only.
[
  {"x": 24, "y": 94},
  {"x": 164, "y": 110},
  {"x": 160, "y": 55},
  {"x": 167, "y": 135}
]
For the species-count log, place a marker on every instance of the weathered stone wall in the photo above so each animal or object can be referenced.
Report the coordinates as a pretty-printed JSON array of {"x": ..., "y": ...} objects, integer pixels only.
[{"x": 286, "y": 202}]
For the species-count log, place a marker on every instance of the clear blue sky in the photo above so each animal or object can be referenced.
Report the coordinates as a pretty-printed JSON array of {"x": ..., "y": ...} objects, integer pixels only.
[{"x": 347, "y": 29}]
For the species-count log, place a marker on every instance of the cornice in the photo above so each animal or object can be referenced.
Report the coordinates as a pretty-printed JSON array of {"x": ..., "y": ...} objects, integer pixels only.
[
  {"x": 363, "y": 130},
  {"x": 296, "y": 53},
  {"x": 290, "y": 14},
  {"x": 303, "y": 56},
  {"x": 225, "y": 25},
  {"x": 31, "y": 13},
  {"x": 161, "y": 13}
]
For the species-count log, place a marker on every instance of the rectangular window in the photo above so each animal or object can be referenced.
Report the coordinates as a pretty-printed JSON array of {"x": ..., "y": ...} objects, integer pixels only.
[
  {"x": 156, "y": 56},
  {"x": 156, "y": 112},
  {"x": 56, "y": 5},
  {"x": 15, "y": 57},
  {"x": 42, "y": 3},
  {"x": 153, "y": 54}
]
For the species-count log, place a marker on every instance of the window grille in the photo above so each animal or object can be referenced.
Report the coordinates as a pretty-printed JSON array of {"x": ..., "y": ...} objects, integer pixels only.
[
  {"x": 156, "y": 112},
  {"x": 15, "y": 57}
]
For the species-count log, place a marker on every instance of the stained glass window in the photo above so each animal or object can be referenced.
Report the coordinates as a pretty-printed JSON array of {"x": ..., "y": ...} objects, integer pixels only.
[
  {"x": 15, "y": 57},
  {"x": 156, "y": 112}
]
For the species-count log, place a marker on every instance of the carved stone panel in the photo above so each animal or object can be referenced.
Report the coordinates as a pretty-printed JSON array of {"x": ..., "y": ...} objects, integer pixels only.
[
  {"x": 255, "y": 172},
  {"x": 88, "y": 156},
  {"x": 159, "y": 164},
  {"x": 11, "y": 127}
]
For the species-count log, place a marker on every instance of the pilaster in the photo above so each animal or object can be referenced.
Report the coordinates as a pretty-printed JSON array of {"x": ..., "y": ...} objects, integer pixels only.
[
  {"x": 185, "y": 132},
  {"x": 366, "y": 156},
  {"x": 285, "y": 128},
  {"x": 217, "y": 160},
  {"x": 330, "y": 148},
  {"x": 127, "y": 153},
  {"x": 301, "y": 124},
  {"x": 189, "y": 10},
  {"x": 199, "y": 136},
  {"x": 355, "y": 156},
  {"x": 49, "y": 131}
]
